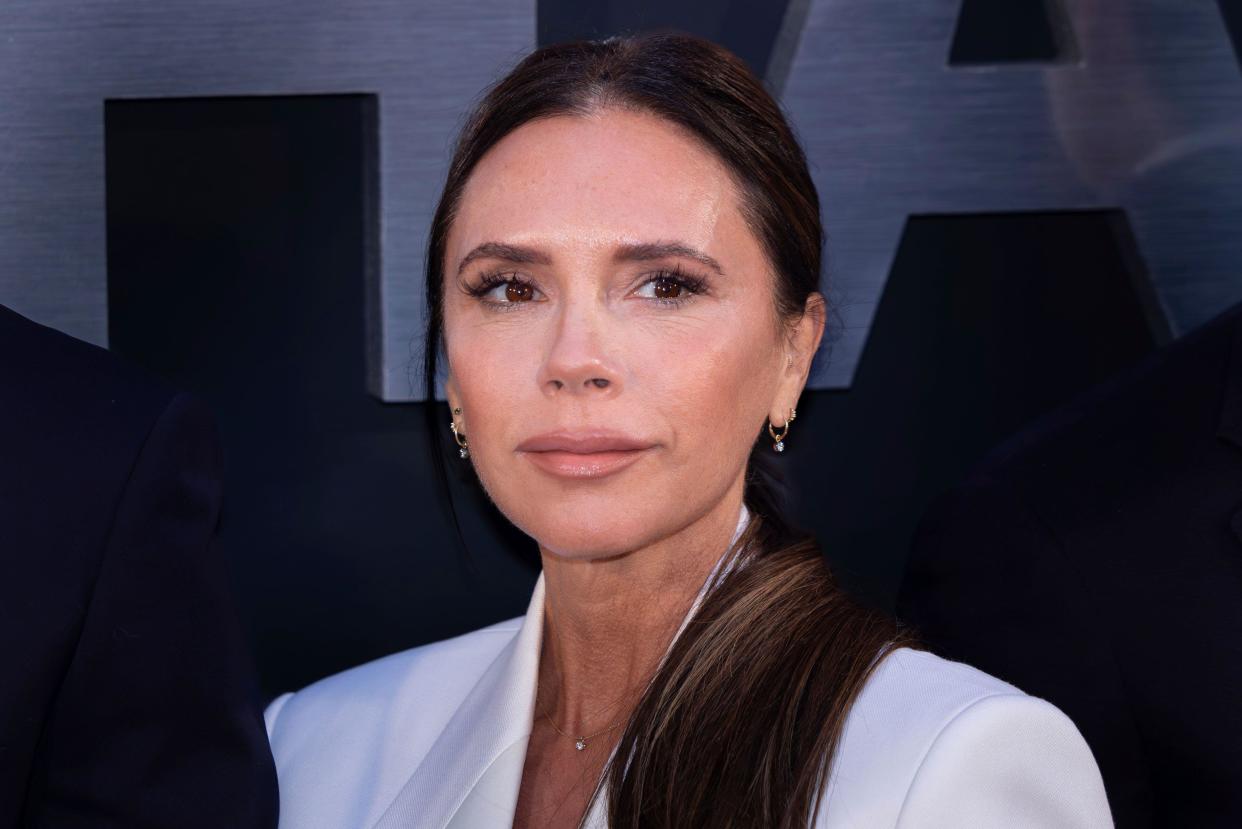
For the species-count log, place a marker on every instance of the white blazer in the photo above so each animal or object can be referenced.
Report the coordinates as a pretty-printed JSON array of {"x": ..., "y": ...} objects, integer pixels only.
[{"x": 435, "y": 738}]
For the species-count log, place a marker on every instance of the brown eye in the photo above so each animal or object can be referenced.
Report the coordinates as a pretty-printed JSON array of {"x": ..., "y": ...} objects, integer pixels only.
[
  {"x": 518, "y": 292},
  {"x": 666, "y": 288}
]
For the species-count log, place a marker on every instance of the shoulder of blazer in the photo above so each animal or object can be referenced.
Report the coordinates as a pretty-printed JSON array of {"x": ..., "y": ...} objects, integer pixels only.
[
  {"x": 73, "y": 420},
  {"x": 386, "y": 712},
  {"x": 978, "y": 739}
]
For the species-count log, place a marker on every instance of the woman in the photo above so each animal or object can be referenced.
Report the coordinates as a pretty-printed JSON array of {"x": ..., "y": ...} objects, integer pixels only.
[{"x": 622, "y": 278}]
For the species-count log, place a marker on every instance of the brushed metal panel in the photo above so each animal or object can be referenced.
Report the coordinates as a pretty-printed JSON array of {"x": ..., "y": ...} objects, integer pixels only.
[
  {"x": 60, "y": 59},
  {"x": 1148, "y": 118}
]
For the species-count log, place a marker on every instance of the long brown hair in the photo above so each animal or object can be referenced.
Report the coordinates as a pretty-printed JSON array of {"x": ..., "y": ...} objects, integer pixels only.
[{"x": 739, "y": 724}]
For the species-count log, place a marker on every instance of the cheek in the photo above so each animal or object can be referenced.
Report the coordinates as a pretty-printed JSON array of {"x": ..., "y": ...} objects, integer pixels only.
[
  {"x": 493, "y": 375},
  {"x": 717, "y": 389},
  {"x": 491, "y": 407}
]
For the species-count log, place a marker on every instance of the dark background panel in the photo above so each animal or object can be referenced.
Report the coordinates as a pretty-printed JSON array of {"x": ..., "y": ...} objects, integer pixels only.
[
  {"x": 748, "y": 27},
  {"x": 238, "y": 238},
  {"x": 1016, "y": 31},
  {"x": 986, "y": 323},
  {"x": 1231, "y": 11}
]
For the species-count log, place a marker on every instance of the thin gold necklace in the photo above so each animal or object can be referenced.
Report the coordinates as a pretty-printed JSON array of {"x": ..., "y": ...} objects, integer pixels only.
[{"x": 580, "y": 743}]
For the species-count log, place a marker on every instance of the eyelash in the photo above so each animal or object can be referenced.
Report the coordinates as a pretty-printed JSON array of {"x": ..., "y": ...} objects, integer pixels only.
[{"x": 692, "y": 285}]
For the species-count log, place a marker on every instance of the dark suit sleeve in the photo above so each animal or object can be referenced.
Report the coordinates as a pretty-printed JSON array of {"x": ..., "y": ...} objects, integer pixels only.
[
  {"x": 156, "y": 723},
  {"x": 989, "y": 584}
]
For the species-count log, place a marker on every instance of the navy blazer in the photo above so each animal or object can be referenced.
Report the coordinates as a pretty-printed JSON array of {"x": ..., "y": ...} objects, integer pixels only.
[
  {"x": 126, "y": 693},
  {"x": 1097, "y": 562}
]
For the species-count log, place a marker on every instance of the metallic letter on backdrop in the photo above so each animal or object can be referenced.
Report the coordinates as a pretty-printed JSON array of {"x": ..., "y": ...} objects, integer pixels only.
[
  {"x": 60, "y": 59},
  {"x": 1147, "y": 116}
]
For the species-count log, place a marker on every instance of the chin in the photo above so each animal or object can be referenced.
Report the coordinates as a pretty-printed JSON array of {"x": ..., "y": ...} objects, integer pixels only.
[
  {"x": 585, "y": 528},
  {"x": 593, "y": 519},
  {"x": 579, "y": 545}
]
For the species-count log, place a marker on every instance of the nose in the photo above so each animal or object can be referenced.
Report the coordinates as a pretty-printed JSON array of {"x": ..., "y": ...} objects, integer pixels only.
[{"x": 581, "y": 358}]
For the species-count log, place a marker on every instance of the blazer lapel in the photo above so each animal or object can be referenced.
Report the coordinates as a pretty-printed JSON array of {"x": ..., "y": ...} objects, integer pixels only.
[
  {"x": 484, "y": 743},
  {"x": 472, "y": 773}
]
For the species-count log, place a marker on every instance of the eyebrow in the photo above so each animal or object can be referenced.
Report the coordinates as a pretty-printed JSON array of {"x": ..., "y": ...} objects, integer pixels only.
[
  {"x": 646, "y": 251},
  {"x": 629, "y": 252},
  {"x": 508, "y": 253}
]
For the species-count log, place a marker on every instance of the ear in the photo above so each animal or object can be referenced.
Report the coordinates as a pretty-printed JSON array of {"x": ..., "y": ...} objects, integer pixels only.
[{"x": 801, "y": 343}]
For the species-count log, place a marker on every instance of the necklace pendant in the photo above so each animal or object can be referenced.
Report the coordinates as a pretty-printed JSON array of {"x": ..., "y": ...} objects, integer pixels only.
[{"x": 580, "y": 744}]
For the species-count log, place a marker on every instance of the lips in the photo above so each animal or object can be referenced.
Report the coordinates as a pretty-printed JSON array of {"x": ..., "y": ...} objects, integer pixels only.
[
  {"x": 583, "y": 454},
  {"x": 583, "y": 443}
]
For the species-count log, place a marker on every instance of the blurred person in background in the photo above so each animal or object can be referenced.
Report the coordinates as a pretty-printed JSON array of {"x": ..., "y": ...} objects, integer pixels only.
[
  {"x": 1096, "y": 560},
  {"x": 126, "y": 693}
]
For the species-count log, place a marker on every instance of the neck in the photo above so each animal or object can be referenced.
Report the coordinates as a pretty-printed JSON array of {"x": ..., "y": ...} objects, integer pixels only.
[{"x": 607, "y": 622}]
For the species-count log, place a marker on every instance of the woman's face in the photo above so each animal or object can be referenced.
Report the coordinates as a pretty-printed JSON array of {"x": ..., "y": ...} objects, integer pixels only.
[{"x": 611, "y": 333}]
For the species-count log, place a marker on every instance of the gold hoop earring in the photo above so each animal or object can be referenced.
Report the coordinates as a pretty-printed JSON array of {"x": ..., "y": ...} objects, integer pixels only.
[
  {"x": 463, "y": 448},
  {"x": 778, "y": 441}
]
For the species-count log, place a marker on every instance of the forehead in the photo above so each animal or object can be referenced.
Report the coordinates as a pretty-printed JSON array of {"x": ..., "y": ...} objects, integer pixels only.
[{"x": 596, "y": 179}]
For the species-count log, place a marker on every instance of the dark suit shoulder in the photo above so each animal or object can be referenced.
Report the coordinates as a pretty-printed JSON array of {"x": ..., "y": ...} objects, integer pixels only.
[
  {"x": 53, "y": 381},
  {"x": 1156, "y": 418},
  {"x": 1094, "y": 560},
  {"x": 73, "y": 423}
]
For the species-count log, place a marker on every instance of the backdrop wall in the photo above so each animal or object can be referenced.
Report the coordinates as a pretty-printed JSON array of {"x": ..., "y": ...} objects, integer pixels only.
[{"x": 236, "y": 197}]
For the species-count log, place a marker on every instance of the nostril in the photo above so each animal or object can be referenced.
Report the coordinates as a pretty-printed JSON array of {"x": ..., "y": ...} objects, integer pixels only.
[{"x": 599, "y": 382}]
